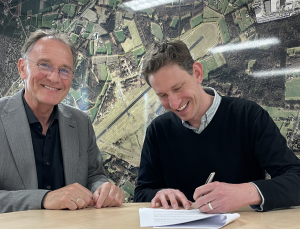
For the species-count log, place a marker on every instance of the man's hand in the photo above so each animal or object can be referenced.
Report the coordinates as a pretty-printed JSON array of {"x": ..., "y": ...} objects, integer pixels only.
[
  {"x": 108, "y": 195},
  {"x": 172, "y": 196},
  {"x": 72, "y": 197},
  {"x": 225, "y": 197}
]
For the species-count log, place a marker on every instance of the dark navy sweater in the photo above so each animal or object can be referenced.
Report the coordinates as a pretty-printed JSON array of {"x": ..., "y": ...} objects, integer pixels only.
[{"x": 240, "y": 144}]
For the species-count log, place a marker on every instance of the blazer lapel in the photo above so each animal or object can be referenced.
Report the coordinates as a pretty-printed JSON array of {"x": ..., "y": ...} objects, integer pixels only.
[
  {"x": 69, "y": 143},
  {"x": 18, "y": 133}
]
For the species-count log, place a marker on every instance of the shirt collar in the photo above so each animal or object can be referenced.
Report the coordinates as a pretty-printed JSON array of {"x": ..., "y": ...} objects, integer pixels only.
[
  {"x": 206, "y": 119},
  {"x": 31, "y": 117}
]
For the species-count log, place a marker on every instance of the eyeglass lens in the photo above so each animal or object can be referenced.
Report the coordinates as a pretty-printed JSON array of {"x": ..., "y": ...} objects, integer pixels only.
[{"x": 48, "y": 69}]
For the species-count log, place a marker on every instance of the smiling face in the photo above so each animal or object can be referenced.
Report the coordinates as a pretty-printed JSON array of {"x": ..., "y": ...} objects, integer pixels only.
[
  {"x": 46, "y": 90},
  {"x": 181, "y": 92}
]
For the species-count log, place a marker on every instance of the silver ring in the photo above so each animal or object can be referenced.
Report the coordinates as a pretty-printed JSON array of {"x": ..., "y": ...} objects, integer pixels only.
[{"x": 210, "y": 207}]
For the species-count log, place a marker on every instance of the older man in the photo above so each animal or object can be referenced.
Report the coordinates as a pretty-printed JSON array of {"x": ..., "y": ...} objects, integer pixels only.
[
  {"x": 204, "y": 133},
  {"x": 48, "y": 155}
]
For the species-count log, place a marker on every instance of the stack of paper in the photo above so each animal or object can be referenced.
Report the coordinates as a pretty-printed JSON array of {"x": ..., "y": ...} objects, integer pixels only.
[{"x": 151, "y": 217}]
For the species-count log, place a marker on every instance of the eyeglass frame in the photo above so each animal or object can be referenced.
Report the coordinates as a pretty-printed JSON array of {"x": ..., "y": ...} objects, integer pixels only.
[{"x": 51, "y": 67}]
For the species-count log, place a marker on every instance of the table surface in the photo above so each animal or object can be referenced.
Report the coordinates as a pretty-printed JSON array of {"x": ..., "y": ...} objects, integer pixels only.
[{"x": 127, "y": 216}]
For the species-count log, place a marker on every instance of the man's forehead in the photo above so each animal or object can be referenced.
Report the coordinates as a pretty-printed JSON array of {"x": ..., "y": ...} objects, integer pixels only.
[
  {"x": 46, "y": 46},
  {"x": 160, "y": 84},
  {"x": 167, "y": 71},
  {"x": 46, "y": 42},
  {"x": 49, "y": 44}
]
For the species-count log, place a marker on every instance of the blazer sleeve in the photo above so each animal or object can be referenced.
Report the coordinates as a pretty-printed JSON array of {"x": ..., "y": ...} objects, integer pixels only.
[
  {"x": 96, "y": 172},
  {"x": 21, "y": 200},
  {"x": 13, "y": 193}
]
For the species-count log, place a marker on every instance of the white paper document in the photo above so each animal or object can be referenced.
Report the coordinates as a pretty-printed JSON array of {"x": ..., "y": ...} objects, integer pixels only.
[{"x": 161, "y": 218}]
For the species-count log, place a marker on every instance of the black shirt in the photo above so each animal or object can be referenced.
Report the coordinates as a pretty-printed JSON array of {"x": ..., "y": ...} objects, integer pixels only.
[{"x": 47, "y": 151}]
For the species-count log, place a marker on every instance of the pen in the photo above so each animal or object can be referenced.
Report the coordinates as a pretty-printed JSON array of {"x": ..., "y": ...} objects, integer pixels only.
[{"x": 210, "y": 178}]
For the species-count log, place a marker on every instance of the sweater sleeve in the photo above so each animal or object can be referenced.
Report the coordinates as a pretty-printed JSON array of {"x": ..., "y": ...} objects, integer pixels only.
[
  {"x": 150, "y": 178},
  {"x": 273, "y": 154}
]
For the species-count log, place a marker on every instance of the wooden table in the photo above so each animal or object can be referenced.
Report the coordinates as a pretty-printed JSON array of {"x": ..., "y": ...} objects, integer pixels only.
[{"x": 127, "y": 217}]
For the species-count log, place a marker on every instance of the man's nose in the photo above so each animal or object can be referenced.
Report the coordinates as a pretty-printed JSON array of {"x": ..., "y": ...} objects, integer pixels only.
[
  {"x": 54, "y": 75},
  {"x": 174, "y": 102}
]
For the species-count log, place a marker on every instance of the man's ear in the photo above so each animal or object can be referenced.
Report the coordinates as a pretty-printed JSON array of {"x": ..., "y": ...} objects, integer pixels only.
[
  {"x": 22, "y": 68},
  {"x": 198, "y": 72}
]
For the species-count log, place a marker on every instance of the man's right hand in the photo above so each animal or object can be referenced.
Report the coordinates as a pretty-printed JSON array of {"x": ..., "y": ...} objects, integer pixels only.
[
  {"x": 72, "y": 197},
  {"x": 172, "y": 196}
]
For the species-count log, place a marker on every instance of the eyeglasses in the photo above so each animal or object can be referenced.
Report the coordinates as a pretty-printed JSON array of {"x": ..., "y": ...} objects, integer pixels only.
[{"x": 47, "y": 69}]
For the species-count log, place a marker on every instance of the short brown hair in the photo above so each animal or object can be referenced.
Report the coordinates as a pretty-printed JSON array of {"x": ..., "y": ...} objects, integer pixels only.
[
  {"x": 52, "y": 34},
  {"x": 167, "y": 53}
]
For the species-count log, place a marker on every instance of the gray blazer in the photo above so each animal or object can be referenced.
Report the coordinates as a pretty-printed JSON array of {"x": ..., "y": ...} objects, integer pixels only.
[{"x": 18, "y": 179}]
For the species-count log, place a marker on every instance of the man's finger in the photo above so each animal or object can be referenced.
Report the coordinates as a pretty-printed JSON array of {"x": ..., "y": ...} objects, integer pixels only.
[
  {"x": 175, "y": 197},
  {"x": 70, "y": 205},
  {"x": 201, "y": 201},
  {"x": 110, "y": 197},
  {"x": 76, "y": 190},
  {"x": 84, "y": 198},
  {"x": 210, "y": 209},
  {"x": 164, "y": 201},
  {"x": 80, "y": 203},
  {"x": 155, "y": 201},
  {"x": 96, "y": 196},
  {"x": 103, "y": 193},
  {"x": 86, "y": 193},
  {"x": 173, "y": 200},
  {"x": 204, "y": 189},
  {"x": 118, "y": 199},
  {"x": 183, "y": 201}
]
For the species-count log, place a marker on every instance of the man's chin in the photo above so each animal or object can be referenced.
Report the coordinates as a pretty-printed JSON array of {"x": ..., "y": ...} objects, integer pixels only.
[
  {"x": 182, "y": 117},
  {"x": 50, "y": 102}
]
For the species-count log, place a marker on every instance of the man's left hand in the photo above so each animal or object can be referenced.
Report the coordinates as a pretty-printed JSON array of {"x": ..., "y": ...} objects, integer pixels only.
[
  {"x": 108, "y": 195},
  {"x": 225, "y": 197}
]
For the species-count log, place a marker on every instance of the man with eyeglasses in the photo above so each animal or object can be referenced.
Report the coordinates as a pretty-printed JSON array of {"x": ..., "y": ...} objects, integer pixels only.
[{"x": 48, "y": 155}]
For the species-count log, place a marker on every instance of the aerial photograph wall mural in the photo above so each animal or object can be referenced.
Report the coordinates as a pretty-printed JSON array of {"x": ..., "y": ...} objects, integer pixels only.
[{"x": 248, "y": 49}]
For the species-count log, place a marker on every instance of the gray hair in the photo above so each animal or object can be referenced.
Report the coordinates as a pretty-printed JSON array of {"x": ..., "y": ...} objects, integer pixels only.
[
  {"x": 165, "y": 53},
  {"x": 52, "y": 34}
]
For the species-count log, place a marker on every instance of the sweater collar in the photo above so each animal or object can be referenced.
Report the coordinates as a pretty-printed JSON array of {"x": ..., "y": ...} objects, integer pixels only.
[{"x": 206, "y": 119}]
